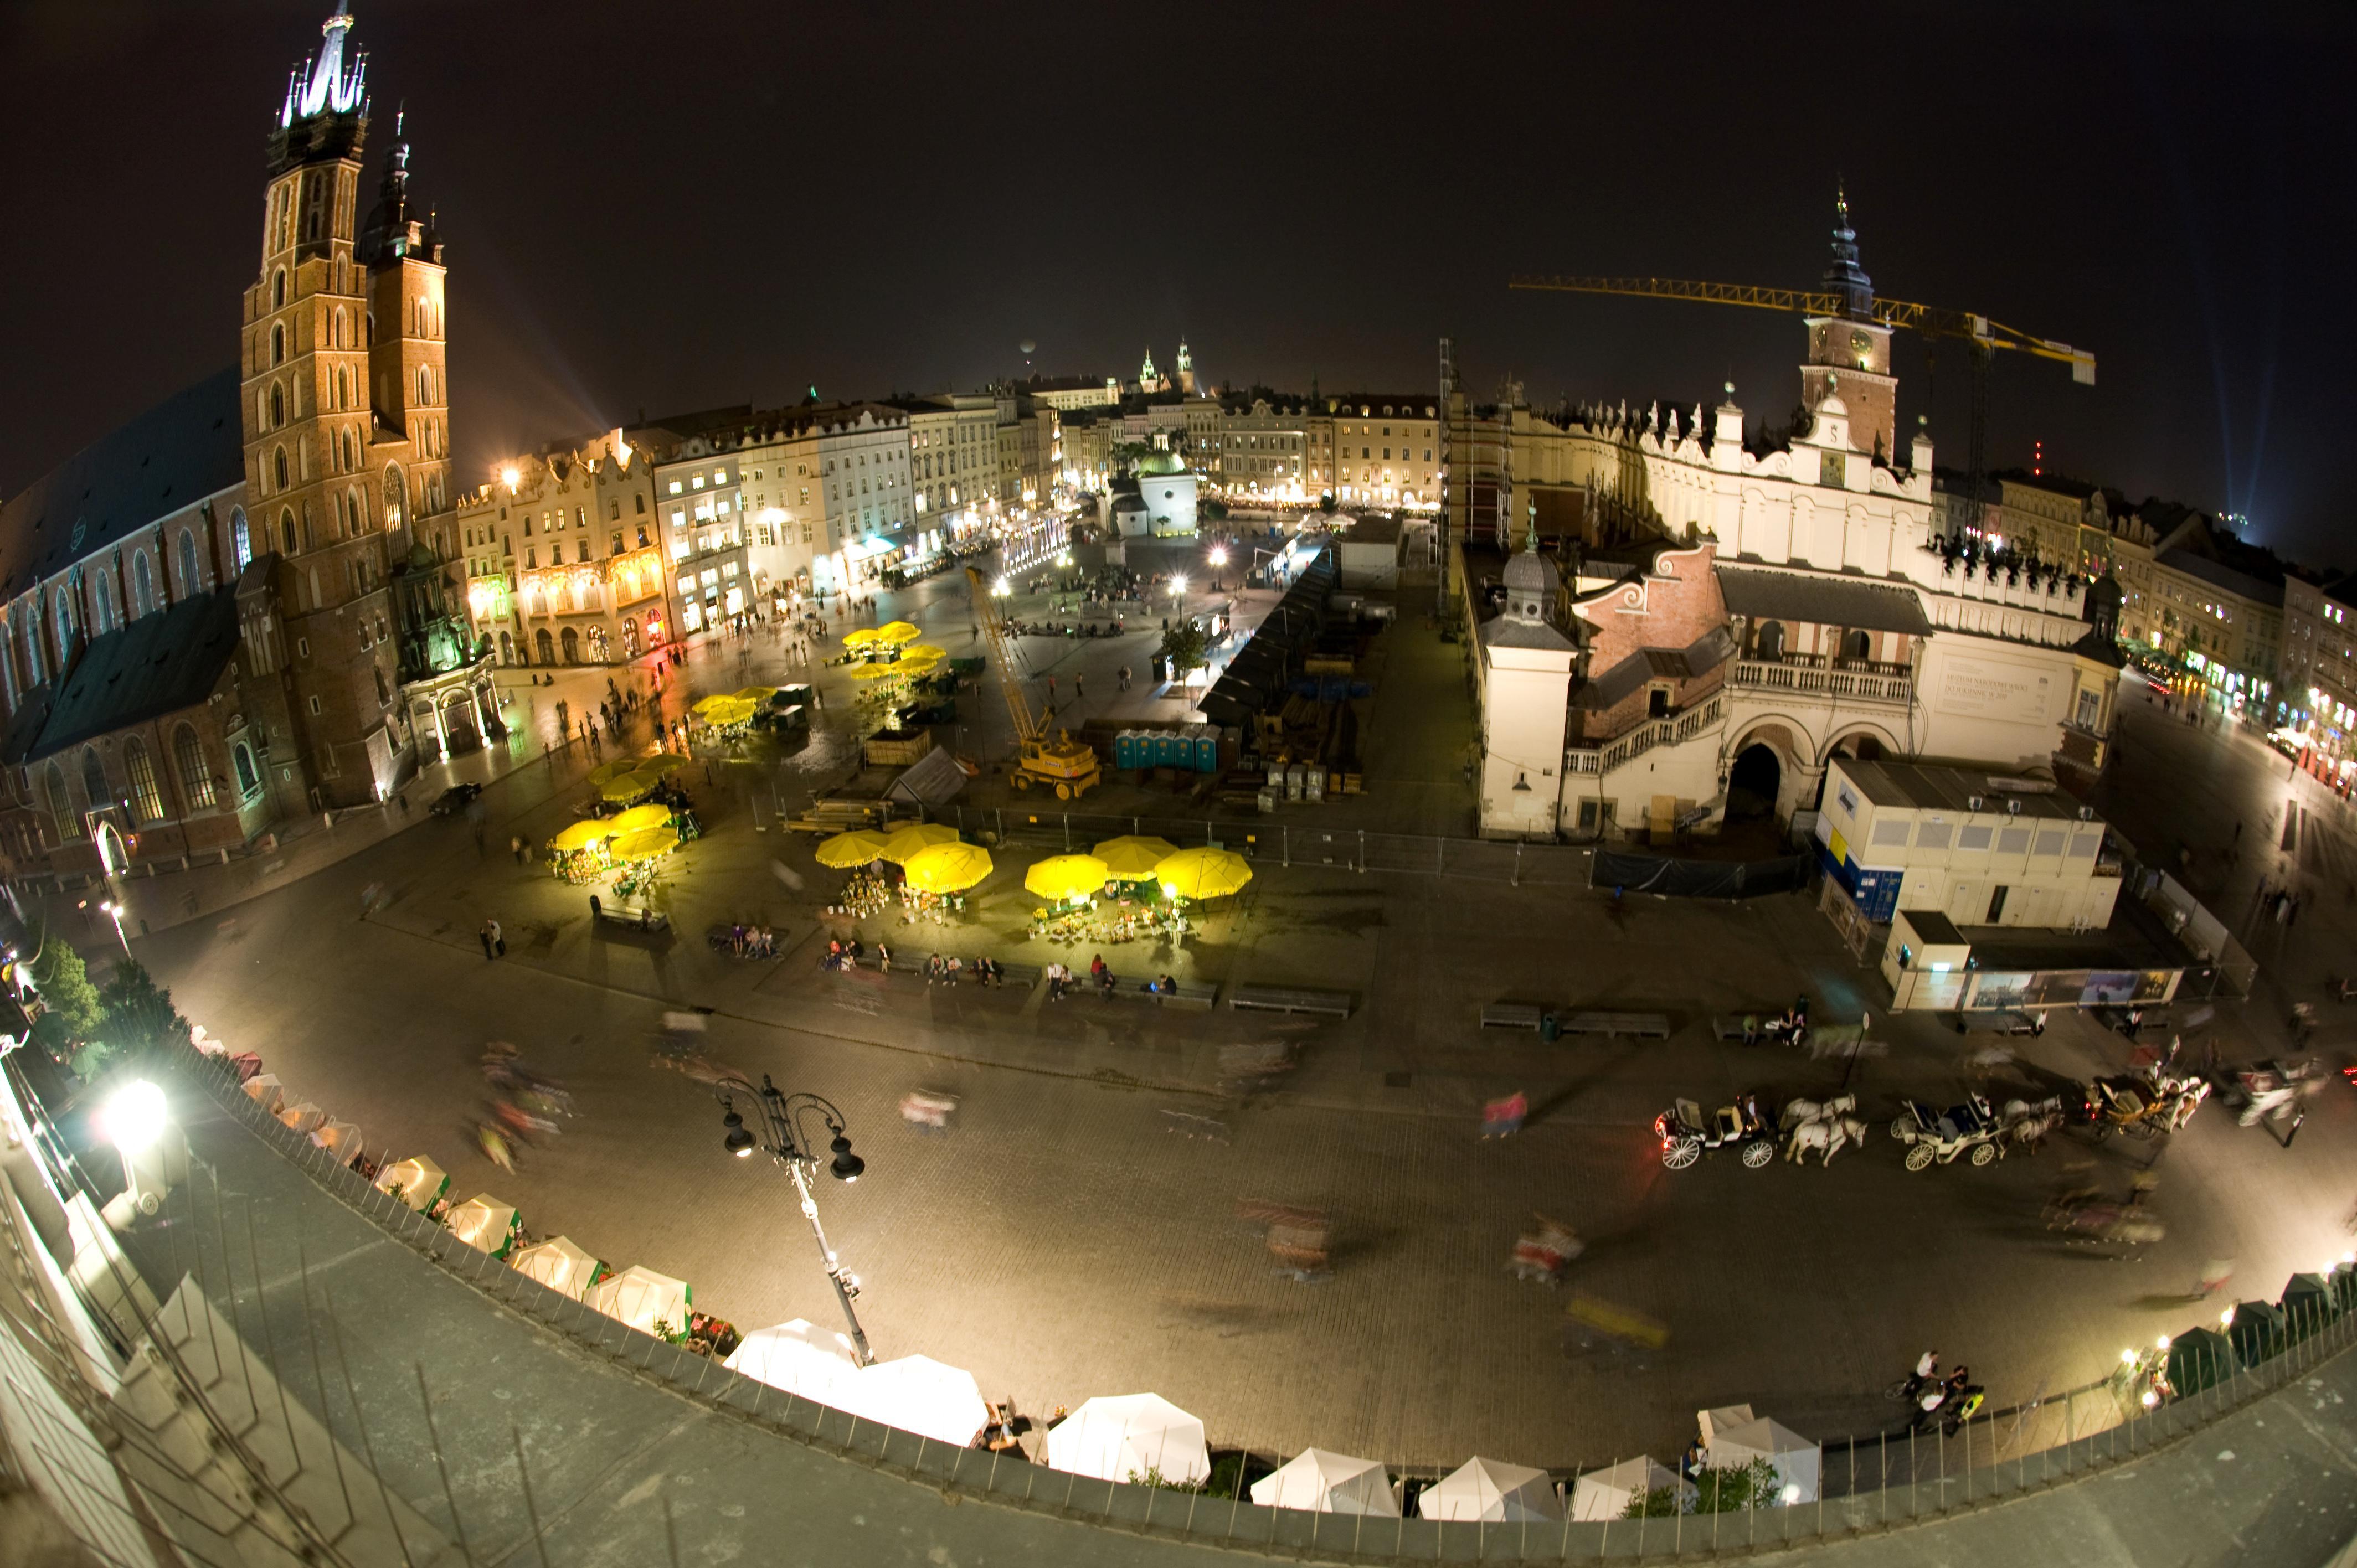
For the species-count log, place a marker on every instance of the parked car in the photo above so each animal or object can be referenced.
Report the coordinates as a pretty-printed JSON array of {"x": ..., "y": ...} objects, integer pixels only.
[{"x": 455, "y": 798}]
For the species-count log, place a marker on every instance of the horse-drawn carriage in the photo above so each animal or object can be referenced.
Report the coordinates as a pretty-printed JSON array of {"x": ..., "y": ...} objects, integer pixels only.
[
  {"x": 2142, "y": 1104},
  {"x": 1973, "y": 1131},
  {"x": 1687, "y": 1135},
  {"x": 2271, "y": 1091}
]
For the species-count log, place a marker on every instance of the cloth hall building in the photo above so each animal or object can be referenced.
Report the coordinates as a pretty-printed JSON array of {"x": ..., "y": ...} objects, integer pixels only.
[{"x": 243, "y": 605}]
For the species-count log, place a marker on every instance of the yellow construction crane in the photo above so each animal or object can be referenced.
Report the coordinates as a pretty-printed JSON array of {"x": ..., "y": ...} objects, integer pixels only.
[
  {"x": 1063, "y": 764},
  {"x": 1850, "y": 295}
]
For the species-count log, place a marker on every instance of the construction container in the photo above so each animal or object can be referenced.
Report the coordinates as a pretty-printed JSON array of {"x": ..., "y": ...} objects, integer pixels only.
[
  {"x": 1294, "y": 781},
  {"x": 1267, "y": 800},
  {"x": 1313, "y": 787}
]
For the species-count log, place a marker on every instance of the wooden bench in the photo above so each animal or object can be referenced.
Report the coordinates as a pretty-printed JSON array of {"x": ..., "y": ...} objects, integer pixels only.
[
  {"x": 1290, "y": 999},
  {"x": 1511, "y": 1015},
  {"x": 912, "y": 966},
  {"x": 1641, "y": 1025},
  {"x": 1729, "y": 1025},
  {"x": 1197, "y": 995},
  {"x": 628, "y": 916}
]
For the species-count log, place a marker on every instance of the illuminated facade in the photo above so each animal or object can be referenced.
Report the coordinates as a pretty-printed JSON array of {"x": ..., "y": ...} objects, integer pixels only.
[{"x": 563, "y": 565}]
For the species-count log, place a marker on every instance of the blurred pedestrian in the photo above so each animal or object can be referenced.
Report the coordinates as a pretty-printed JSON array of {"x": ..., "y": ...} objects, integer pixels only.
[{"x": 1504, "y": 1118}]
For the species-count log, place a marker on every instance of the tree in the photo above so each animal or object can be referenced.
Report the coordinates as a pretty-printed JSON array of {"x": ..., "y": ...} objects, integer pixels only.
[
  {"x": 139, "y": 1013},
  {"x": 1182, "y": 648},
  {"x": 62, "y": 981},
  {"x": 1732, "y": 1489},
  {"x": 1216, "y": 511}
]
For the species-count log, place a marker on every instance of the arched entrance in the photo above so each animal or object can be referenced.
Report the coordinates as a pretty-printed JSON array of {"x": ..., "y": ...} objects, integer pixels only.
[
  {"x": 1860, "y": 745},
  {"x": 507, "y": 648},
  {"x": 458, "y": 721},
  {"x": 572, "y": 645},
  {"x": 1753, "y": 782},
  {"x": 544, "y": 644}
]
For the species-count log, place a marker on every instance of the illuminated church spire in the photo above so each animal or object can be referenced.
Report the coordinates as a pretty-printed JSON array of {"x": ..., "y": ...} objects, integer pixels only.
[
  {"x": 1844, "y": 277},
  {"x": 333, "y": 81}
]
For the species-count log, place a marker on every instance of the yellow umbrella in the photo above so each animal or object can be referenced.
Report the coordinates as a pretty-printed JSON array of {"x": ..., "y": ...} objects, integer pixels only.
[
  {"x": 1204, "y": 873},
  {"x": 653, "y": 814},
  {"x": 707, "y": 707},
  {"x": 877, "y": 672},
  {"x": 897, "y": 631},
  {"x": 582, "y": 834},
  {"x": 923, "y": 650},
  {"x": 906, "y": 843},
  {"x": 724, "y": 711},
  {"x": 857, "y": 847},
  {"x": 628, "y": 787},
  {"x": 1133, "y": 859},
  {"x": 644, "y": 844},
  {"x": 947, "y": 868},
  {"x": 757, "y": 695},
  {"x": 663, "y": 762},
  {"x": 612, "y": 769},
  {"x": 1066, "y": 877},
  {"x": 859, "y": 637}
]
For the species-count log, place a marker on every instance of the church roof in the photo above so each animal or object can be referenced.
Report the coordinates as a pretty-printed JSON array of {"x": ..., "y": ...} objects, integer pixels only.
[
  {"x": 158, "y": 664},
  {"x": 1532, "y": 571},
  {"x": 174, "y": 456}
]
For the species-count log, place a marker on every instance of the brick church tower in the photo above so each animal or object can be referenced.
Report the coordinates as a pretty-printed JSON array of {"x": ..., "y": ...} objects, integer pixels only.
[
  {"x": 345, "y": 416},
  {"x": 1849, "y": 352}
]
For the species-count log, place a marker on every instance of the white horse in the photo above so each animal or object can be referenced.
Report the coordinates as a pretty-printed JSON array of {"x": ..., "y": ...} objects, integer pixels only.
[
  {"x": 2028, "y": 1125},
  {"x": 1826, "y": 1136},
  {"x": 1801, "y": 1112}
]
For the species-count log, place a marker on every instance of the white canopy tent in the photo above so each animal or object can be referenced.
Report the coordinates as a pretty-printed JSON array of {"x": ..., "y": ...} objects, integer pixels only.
[
  {"x": 340, "y": 1138},
  {"x": 265, "y": 1090},
  {"x": 417, "y": 1181},
  {"x": 561, "y": 1263},
  {"x": 1798, "y": 1461},
  {"x": 1119, "y": 1436},
  {"x": 919, "y": 1394},
  {"x": 641, "y": 1298},
  {"x": 1320, "y": 1482},
  {"x": 1708, "y": 1422},
  {"x": 1492, "y": 1492},
  {"x": 1606, "y": 1494},
  {"x": 784, "y": 1356},
  {"x": 484, "y": 1223},
  {"x": 304, "y": 1117}
]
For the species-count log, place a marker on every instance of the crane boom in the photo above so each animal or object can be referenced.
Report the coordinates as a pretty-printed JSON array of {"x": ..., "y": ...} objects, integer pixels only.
[
  {"x": 1018, "y": 708},
  {"x": 1067, "y": 767},
  {"x": 1929, "y": 321}
]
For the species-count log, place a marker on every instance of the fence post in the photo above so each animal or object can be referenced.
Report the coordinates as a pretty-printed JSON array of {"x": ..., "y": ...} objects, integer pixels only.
[
  {"x": 1285, "y": 845},
  {"x": 1517, "y": 880},
  {"x": 1362, "y": 852},
  {"x": 1068, "y": 833}
]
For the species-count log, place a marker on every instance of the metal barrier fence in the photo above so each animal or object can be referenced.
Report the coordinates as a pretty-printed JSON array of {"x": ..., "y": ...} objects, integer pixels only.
[
  {"x": 1866, "y": 1484},
  {"x": 1289, "y": 844}
]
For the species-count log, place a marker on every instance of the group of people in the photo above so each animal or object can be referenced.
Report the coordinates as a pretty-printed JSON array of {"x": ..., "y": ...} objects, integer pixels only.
[
  {"x": 845, "y": 954},
  {"x": 1947, "y": 1402},
  {"x": 747, "y": 942},
  {"x": 944, "y": 968},
  {"x": 1788, "y": 1028}
]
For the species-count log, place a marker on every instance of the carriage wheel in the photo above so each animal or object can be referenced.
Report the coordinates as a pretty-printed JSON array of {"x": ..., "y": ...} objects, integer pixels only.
[
  {"x": 1918, "y": 1156},
  {"x": 1681, "y": 1153},
  {"x": 1903, "y": 1128},
  {"x": 1757, "y": 1153},
  {"x": 1985, "y": 1153}
]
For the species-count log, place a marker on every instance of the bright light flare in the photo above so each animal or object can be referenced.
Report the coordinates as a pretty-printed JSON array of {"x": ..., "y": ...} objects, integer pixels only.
[
  {"x": 1177, "y": 585},
  {"x": 1218, "y": 555},
  {"x": 135, "y": 1116}
]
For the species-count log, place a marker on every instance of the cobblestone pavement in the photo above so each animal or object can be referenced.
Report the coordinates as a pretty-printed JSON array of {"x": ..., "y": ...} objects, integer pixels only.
[{"x": 1067, "y": 1237}]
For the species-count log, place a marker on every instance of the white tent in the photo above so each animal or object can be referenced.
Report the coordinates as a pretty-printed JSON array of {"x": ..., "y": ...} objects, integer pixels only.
[
  {"x": 304, "y": 1118},
  {"x": 919, "y": 1394},
  {"x": 1797, "y": 1460},
  {"x": 1492, "y": 1492},
  {"x": 1606, "y": 1493},
  {"x": 1708, "y": 1422},
  {"x": 1320, "y": 1482},
  {"x": 417, "y": 1182},
  {"x": 484, "y": 1223},
  {"x": 1116, "y": 1437},
  {"x": 561, "y": 1263},
  {"x": 641, "y": 1298},
  {"x": 785, "y": 1357},
  {"x": 265, "y": 1091},
  {"x": 340, "y": 1138}
]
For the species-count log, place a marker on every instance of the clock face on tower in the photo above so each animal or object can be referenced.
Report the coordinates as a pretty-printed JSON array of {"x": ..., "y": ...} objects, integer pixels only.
[{"x": 1862, "y": 346}]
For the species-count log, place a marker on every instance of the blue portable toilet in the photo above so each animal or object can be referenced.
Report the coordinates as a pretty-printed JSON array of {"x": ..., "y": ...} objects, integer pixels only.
[
  {"x": 1124, "y": 749},
  {"x": 1207, "y": 749},
  {"x": 1166, "y": 750}
]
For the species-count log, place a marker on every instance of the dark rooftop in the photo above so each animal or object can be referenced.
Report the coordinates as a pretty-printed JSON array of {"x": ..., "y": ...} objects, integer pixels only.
[
  {"x": 184, "y": 449},
  {"x": 157, "y": 664}
]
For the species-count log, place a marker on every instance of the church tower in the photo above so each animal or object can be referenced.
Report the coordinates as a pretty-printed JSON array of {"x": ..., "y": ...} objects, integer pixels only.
[
  {"x": 1849, "y": 352},
  {"x": 341, "y": 428}
]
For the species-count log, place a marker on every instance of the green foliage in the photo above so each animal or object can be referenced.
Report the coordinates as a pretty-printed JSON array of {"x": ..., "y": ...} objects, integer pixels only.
[
  {"x": 1215, "y": 510},
  {"x": 139, "y": 1014},
  {"x": 1183, "y": 646},
  {"x": 1150, "y": 1476},
  {"x": 59, "y": 975},
  {"x": 1731, "y": 1488}
]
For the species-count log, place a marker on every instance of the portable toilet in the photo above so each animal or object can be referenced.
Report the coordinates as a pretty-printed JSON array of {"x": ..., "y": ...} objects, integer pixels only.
[
  {"x": 1124, "y": 749},
  {"x": 1207, "y": 749},
  {"x": 1166, "y": 750}
]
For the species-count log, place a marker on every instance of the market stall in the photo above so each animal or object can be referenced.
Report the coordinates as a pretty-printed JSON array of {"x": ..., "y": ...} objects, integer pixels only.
[
  {"x": 1320, "y": 1482},
  {"x": 1130, "y": 1437},
  {"x": 562, "y": 1265},
  {"x": 417, "y": 1182},
  {"x": 486, "y": 1224},
  {"x": 652, "y": 1303}
]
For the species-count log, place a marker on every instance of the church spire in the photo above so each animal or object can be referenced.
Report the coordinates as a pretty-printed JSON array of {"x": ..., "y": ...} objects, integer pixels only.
[
  {"x": 388, "y": 232},
  {"x": 1843, "y": 276},
  {"x": 327, "y": 82}
]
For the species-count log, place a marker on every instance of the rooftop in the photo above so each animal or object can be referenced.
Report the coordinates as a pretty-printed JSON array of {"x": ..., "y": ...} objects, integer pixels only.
[
  {"x": 157, "y": 664},
  {"x": 175, "y": 455},
  {"x": 1926, "y": 787}
]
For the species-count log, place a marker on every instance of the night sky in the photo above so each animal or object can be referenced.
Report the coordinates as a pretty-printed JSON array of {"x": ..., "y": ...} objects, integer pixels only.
[{"x": 675, "y": 207}]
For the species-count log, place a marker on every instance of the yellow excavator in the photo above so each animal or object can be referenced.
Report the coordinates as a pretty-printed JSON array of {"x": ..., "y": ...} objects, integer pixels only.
[{"x": 1067, "y": 766}]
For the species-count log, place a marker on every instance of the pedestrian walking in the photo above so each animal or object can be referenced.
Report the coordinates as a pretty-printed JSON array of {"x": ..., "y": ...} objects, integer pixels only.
[
  {"x": 1504, "y": 1118},
  {"x": 499, "y": 939},
  {"x": 1125, "y": 677},
  {"x": 515, "y": 847},
  {"x": 1080, "y": 685},
  {"x": 485, "y": 933}
]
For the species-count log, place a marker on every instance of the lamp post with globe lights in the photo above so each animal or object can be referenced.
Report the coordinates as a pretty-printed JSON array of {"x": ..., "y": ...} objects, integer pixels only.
[{"x": 778, "y": 1117}]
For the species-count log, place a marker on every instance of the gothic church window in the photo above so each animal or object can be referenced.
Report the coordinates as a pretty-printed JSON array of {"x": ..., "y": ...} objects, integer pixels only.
[
  {"x": 249, "y": 777},
  {"x": 277, "y": 345},
  {"x": 61, "y": 812},
  {"x": 94, "y": 779},
  {"x": 188, "y": 758},
  {"x": 142, "y": 585},
  {"x": 147, "y": 800},
  {"x": 277, "y": 407}
]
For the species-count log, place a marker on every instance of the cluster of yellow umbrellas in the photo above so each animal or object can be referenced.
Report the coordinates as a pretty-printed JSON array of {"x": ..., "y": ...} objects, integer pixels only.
[
  {"x": 927, "y": 852},
  {"x": 891, "y": 634},
  {"x": 639, "y": 833},
  {"x": 625, "y": 778},
  {"x": 733, "y": 707},
  {"x": 1199, "y": 872}
]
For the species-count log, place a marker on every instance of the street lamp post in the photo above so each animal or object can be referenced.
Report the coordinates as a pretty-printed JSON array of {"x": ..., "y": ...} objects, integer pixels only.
[{"x": 782, "y": 1140}]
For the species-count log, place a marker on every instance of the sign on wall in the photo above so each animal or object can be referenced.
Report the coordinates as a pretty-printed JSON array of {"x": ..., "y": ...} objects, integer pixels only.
[{"x": 1985, "y": 689}]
